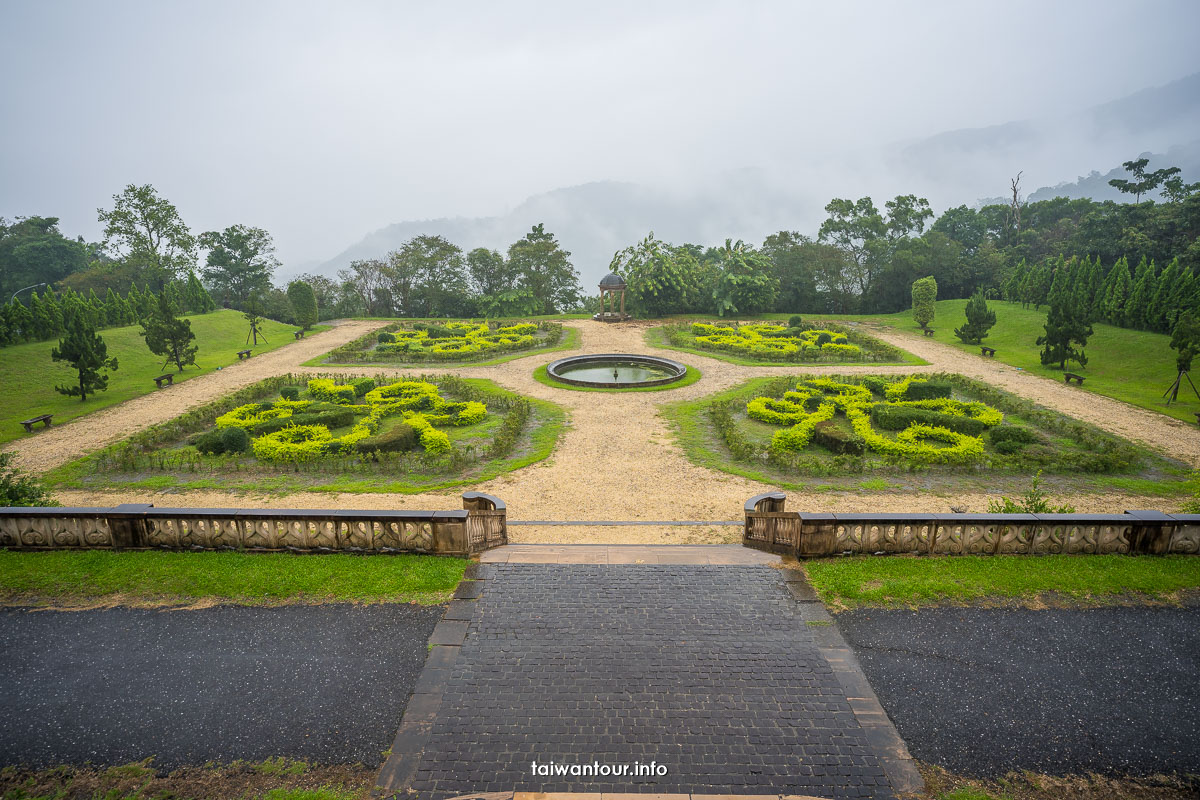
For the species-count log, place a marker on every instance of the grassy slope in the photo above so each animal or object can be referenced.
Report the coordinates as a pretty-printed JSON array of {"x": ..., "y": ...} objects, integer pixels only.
[
  {"x": 28, "y": 375},
  {"x": 259, "y": 578},
  {"x": 908, "y": 581},
  {"x": 1133, "y": 366}
]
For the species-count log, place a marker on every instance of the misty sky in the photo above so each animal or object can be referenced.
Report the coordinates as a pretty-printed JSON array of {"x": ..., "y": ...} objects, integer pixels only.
[{"x": 324, "y": 121}]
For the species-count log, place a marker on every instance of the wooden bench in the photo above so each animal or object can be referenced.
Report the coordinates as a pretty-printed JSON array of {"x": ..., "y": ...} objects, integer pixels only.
[
  {"x": 243, "y": 354},
  {"x": 1071, "y": 376},
  {"x": 299, "y": 334},
  {"x": 929, "y": 331},
  {"x": 990, "y": 352},
  {"x": 168, "y": 378},
  {"x": 29, "y": 423}
]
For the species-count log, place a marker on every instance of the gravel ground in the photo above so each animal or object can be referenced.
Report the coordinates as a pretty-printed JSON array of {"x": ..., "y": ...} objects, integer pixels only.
[
  {"x": 617, "y": 459},
  {"x": 988, "y": 691},
  {"x": 322, "y": 683}
]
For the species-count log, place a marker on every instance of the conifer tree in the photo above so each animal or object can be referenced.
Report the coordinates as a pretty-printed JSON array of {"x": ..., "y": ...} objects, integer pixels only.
[
  {"x": 20, "y": 321},
  {"x": 1137, "y": 310},
  {"x": 1012, "y": 286},
  {"x": 924, "y": 295},
  {"x": 1095, "y": 296},
  {"x": 1116, "y": 292},
  {"x": 112, "y": 308},
  {"x": 1185, "y": 296},
  {"x": 85, "y": 351},
  {"x": 1067, "y": 331},
  {"x": 980, "y": 320},
  {"x": 168, "y": 335},
  {"x": 1160, "y": 303}
]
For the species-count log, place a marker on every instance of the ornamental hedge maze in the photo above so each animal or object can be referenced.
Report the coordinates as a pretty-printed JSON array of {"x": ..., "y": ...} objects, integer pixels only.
[
  {"x": 333, "y": 432},
  {"x": 422, "y": 342},
  {"x": 941, "y": 426},
  {"x": 797, "y": 342}
]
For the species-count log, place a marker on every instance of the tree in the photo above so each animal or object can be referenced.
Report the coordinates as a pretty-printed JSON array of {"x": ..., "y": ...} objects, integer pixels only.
[
  {"x": 1141, "y": 297},
  {"x": 660, "y": 279},
  {"x": 545, "y": 269},
  {"x": 86, "y": 352},
  {"x": 1142, "y": 182},
  {"x": 304, "y": 304},
  {"x": 489, "y": 272},
  {"x": 33, "y": 251},
  {"x": 1117, "y": 287},
  {"x": 744, "y": 283},
  {"x": 1185, "y": 340},
  {"x": 148, "y": 232},
  {"x": 924, "y": 295},
  {"x": 196, "y": 297},
  {"x": 980, "y": 320},
  {"x": 858, "y": 228},
  {"x": 241, "y": 261},
  {"x": 168, "y": 335},
  {"x": 1067, "y": 332},
  {"x": 368, "y": 279},
  {"x": 327, "y": 292},
  {"x": 425, "y": 278}
]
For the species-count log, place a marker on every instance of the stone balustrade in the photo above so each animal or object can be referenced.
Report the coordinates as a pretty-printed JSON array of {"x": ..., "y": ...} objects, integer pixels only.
[
  {"x": 769, "y": 527},
  {"x": 481, "y": 525}
]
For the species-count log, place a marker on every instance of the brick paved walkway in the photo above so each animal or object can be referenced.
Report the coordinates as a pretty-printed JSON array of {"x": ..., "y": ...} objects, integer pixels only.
[{"x": 714, "y": 672}]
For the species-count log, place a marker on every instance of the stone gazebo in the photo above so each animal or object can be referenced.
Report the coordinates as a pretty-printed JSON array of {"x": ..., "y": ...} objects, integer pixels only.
[{"x": 612, "y": 285}]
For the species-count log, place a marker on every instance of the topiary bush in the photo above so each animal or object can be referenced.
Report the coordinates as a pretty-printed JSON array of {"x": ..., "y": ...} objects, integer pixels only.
[
  {"x": 399, "y": 439},
  {"x": 362, "y": 386},
  {"x": 836, "y": 439},
  {"x": 795, "y": 321},
  {"x": 290, "y": 392},
  {"x": 386, "y": 337},
  {"x": 1012, "y": 433},
  {"x": 235, "y": 440}
]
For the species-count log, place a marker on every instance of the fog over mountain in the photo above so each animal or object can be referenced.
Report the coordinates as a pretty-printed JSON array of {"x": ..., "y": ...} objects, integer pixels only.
[
  {"x": 594, "y": 220},
  {"x": 325, "y": 123}
]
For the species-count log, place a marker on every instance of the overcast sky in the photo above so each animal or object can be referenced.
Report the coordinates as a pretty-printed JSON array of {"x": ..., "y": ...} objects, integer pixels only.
[{"x": 323, "y": 121}]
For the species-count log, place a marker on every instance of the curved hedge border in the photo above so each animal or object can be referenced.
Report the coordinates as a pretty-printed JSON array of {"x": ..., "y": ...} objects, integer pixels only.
[
  {"x": 443, "y": 342},
  {"x": 767, "y": 344}
]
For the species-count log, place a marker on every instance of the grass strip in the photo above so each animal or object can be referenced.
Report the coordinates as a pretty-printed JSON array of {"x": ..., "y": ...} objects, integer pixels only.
[
  {"x": 157, "y": 577},
  {"x": 915, "y": 581}
]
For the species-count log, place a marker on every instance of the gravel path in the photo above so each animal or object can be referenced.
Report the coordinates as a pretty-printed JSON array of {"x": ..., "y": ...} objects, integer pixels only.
[
  {"x": 617, "y": 459},
  {"x": 987, "y": 691},
  {"x": 321, "y": 683},
  {"x": 62, "y": 443}
]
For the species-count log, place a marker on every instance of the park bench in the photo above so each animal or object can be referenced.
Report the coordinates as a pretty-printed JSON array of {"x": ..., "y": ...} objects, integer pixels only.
[
  {"x": 299, "y": 334},
  {"x": 1071, "y": 376},
  {"x": 168, "y": 378},
  {"x": 243, "y": 354},
  {"x": 29, "y": 423},
  {"x": 929, "y": 331},
  {"x": 990, "y": 352}
]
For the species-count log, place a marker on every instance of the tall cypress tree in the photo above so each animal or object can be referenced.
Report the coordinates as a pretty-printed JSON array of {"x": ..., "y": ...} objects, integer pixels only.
[
  {"x": 20, "y": 321},
  {"x": 1067, "y": 332},
  {"x": 1116, "y": 292},
  {"x": 85, "y": 351},
  {"x": 112, "y": 308},
  {"x": 1012, "y": 286},
  {"x": 980, "y": 320},
  {"x": 1160, "y": 303},
  {"x": 1137, "y": 310}
]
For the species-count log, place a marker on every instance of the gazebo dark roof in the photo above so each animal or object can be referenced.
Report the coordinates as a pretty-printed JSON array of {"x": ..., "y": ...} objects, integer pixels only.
[{"x": 612, "y": 281}]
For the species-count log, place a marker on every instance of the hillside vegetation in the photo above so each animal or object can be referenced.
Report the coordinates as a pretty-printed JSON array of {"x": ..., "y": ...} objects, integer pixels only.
[{"x": 28, "y": 375}]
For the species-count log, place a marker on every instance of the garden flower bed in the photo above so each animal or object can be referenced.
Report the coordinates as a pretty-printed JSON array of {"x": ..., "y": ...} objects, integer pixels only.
[
  {"x": 449, "y": 342},
  {"x": 942, "y": 426},
  {"x": 769, "y": 342},
  {"x": 340, "y": 432}
]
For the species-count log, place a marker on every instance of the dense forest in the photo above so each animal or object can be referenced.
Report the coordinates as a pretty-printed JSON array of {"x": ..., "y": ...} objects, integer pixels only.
[{"x": 1136, "y": 261}]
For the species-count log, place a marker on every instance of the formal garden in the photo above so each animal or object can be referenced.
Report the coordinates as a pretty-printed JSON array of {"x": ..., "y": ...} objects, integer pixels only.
[
  {"x": 462, "y": 342},
  {"x": 337, "y": 433},
  {"x": 768, "y": 343},
  {"x": 910, "y": 431}
]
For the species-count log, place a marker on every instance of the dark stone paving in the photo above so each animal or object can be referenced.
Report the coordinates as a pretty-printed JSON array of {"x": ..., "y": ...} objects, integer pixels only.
[
  {"x": 708, "y": 670},
  {"x": 986, "y": 691},
  {"x": 325, "y": 683}
]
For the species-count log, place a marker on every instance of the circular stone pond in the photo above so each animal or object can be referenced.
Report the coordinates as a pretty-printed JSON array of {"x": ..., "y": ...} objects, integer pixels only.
[{"x": 616, "y": 370}]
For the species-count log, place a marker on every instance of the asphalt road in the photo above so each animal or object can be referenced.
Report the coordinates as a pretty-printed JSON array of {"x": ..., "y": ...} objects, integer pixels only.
[
  {"x": 986, "y": 691},
  {"x": 325, "y": 683}
]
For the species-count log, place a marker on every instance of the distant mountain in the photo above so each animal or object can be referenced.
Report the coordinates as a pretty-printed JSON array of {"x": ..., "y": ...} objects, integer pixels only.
[
  {"x": 594, "y": 220},
  {"x": 1096, "y": 187}
]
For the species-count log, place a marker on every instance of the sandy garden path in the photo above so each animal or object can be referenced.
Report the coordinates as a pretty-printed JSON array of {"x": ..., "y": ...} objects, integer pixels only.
[
  {"x": 618, "y": 461},
  {"x": 63, "y": 443}
]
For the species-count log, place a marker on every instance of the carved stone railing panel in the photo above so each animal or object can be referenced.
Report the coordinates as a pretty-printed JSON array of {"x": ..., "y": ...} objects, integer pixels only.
[
  {"x": 1185, "y": 540},
  {"x": 803, "y": 535},
  {"x": 479, "y": 526}
]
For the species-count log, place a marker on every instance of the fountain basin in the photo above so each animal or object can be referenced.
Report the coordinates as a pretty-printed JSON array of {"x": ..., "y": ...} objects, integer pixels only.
[{"x": 616, "y": 370}]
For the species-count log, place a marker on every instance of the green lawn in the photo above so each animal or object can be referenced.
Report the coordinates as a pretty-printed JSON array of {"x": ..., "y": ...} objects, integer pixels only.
[
  {"x": 1133, "y": 366},
  {"x": 245, "y": 578},
  {"x": 28, "y": 374},
  {"x": 926, "y": 580}
]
